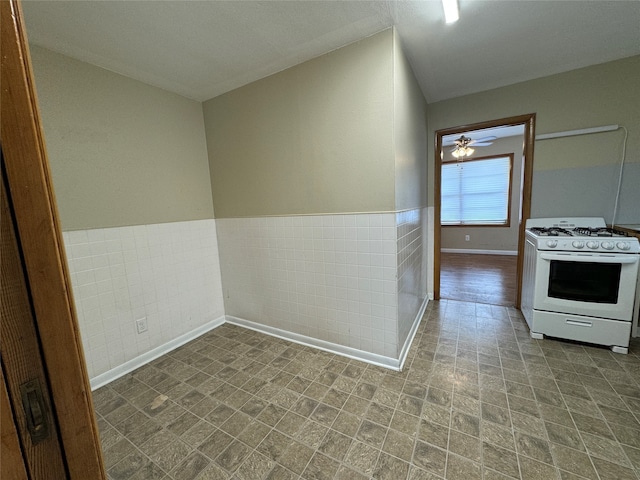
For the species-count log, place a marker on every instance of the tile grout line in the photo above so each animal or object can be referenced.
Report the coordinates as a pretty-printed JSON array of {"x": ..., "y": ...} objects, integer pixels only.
[{"x": 435, "y": 326}]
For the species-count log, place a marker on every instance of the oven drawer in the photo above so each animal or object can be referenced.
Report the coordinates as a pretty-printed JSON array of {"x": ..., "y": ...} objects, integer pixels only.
[{"x": 583, "y": 329}]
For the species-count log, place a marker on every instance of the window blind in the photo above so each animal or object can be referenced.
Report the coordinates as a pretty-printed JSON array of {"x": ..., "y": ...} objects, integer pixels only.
[{"x": 476, "y": 192}]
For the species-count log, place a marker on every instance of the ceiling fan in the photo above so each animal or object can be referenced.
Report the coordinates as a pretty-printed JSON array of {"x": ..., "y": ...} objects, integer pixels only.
[{"x": 463, "y": 145}]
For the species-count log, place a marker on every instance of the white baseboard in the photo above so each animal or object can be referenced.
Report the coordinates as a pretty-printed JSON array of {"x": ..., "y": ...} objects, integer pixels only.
[
  {"x": 354, "y": 353},
  {"x": 479, "y": 252},
  {"x": 137, "y": 362},
  {"x": 412, "y": 333},
  {"x": 367, "y": 357}
]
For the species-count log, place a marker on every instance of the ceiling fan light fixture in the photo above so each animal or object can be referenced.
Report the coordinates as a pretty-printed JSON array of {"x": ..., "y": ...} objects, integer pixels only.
[
  {"x": 462, "y": 152},
  {"x": 450, "y": 11}
]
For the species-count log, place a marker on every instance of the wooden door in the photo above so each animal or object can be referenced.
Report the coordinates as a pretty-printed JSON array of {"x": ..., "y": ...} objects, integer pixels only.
[
  {"x": 22, "y": 361},
  {"x": 48, "y": 425},
  {"x": 11, "y": 461}
]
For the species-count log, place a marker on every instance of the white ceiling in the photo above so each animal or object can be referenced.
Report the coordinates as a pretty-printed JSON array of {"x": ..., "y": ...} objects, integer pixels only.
[{"x": 201, "y": 49}]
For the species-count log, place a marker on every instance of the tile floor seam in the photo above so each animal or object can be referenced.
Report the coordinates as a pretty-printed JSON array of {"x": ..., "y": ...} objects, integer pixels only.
[
  {"x": 577, "y": 430},
  {"x": 580, "y": 433},
  {"x": 446, "y": 336}
]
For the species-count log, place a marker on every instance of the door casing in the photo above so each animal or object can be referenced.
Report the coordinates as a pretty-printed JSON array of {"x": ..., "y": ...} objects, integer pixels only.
[
  {"x": 528, "y": 120},
  {"x": 43, "y": 263}
]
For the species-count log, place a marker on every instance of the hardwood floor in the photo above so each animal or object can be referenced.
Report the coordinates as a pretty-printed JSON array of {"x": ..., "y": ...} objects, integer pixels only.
[{"x": 487, "y": 279}]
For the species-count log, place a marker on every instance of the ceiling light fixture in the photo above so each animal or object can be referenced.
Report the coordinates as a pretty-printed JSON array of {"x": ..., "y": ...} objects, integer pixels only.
[
  {"x": 450, "y": 10},
  {"x": 461, "y": 152},
  {"x": 462, "y": 148}
]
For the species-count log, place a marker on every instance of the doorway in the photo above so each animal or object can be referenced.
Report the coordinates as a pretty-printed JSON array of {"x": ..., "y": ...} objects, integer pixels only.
[{"x": 527, "y": 122}]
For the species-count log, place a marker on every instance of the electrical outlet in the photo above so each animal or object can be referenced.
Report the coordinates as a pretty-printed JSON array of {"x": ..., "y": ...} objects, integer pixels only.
[
  {"x": 467, "y": 238},
  {"x": 141, "y": 325}
]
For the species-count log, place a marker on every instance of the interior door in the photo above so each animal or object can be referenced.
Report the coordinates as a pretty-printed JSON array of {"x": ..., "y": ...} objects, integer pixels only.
[
  {"x": 48, "y": 425},
  {"x": 22, "y": 364},
  {"x": 11, "y": 461}
]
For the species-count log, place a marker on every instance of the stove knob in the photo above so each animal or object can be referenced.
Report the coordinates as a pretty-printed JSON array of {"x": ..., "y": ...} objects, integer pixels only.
[
  {"x": 577, "y": 244},
  {"x": 623, "y": 245},
  {"x": 552, "y": 243},
  {"x": 592, "y": 245},
  {"x": 607, "y": 245}
]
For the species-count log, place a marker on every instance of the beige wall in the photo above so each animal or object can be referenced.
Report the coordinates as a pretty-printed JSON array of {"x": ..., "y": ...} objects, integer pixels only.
[
  {"x": 316, "y": 138},
  {"x": 589, "y": 97},
  {"x": 121, "y": 152},
  {"x": 409, "y": 134},
  {"x": 492, "y": 238}
]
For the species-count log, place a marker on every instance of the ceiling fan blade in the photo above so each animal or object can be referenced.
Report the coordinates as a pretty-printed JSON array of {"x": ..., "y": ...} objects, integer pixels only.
[
  {"x": 482, "y": 144},
  {"x": 485, "y": 139},
  {"x": 458, "y": 141}
]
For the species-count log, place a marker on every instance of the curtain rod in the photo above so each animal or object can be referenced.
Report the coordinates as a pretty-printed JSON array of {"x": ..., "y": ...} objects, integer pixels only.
[{"x": 583, "y": 131}]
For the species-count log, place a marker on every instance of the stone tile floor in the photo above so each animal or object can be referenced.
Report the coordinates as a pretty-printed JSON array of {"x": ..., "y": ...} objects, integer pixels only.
[{"x": 477, "y": 399}]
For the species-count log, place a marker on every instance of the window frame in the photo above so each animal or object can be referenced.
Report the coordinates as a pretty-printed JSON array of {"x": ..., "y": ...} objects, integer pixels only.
[{"x": 507, "y": 224}]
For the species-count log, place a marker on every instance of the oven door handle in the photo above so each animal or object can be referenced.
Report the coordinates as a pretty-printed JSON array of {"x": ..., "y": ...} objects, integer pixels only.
[{"x": 624, "y": 259}]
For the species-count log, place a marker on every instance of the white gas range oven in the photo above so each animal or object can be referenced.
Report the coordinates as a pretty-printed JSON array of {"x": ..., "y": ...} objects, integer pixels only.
[{"x": 579, "y": 281}]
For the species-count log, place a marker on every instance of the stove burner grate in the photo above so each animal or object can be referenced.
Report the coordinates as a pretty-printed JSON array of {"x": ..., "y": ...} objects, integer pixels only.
[
  {"x": 551, "y": 231},
  {"x": 598, "y": 232}
]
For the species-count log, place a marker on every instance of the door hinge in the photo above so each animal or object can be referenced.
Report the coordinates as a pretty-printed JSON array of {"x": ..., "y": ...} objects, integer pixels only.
[{"x": 35, "y": 410}]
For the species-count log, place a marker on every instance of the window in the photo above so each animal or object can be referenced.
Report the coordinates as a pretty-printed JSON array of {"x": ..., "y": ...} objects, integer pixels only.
[{"x": 476, "y": 192}]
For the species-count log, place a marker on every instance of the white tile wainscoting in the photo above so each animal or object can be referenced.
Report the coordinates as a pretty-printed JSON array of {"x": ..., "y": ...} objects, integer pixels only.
[
  {"x": 412, "y": 275},
  {"x": 168, "y": 273},
  {"x": 354, "y": 284},
  {"x": 330, "y": 279}
]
